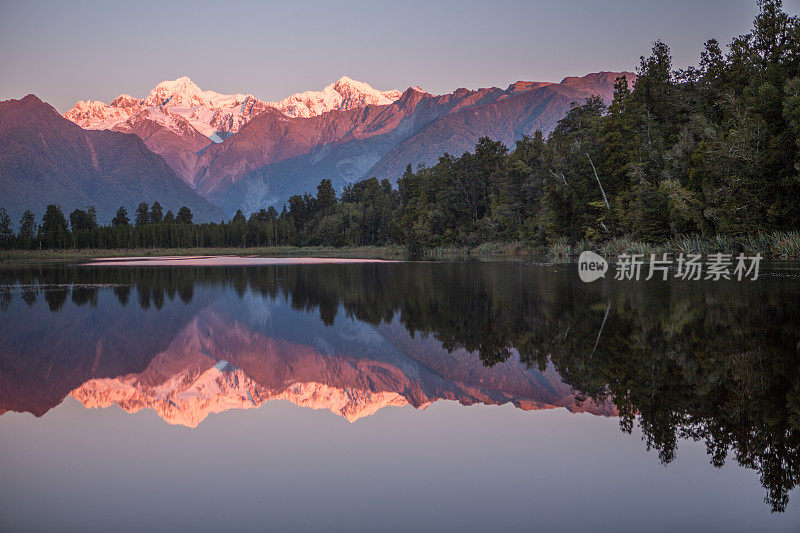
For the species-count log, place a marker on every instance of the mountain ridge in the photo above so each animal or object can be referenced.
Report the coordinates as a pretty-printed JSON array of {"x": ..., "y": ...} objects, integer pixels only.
[
  {"x": 45, "y": 158},
  {"x": 218, "y": 115}
]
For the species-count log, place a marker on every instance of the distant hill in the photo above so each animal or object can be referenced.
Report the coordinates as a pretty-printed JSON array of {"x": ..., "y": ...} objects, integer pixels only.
[{"x": 45, "y": 158}]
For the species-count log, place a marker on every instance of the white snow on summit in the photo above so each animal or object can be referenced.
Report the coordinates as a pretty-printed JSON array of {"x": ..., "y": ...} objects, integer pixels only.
[
  {"x": 209, "y": 112},
  {"x": 344, "y": 94},
  {"x": 217, "y": 115},
  {"x": 96, "y": 115}
]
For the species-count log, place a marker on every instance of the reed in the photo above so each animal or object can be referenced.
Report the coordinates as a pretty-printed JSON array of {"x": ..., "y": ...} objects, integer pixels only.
[
  {"x": 777, "y": 246},
  {"x": 787, "y": 246}
]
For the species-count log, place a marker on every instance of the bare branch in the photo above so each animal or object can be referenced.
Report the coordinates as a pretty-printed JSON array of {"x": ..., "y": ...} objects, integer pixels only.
[{"x": 598, "y": 182}]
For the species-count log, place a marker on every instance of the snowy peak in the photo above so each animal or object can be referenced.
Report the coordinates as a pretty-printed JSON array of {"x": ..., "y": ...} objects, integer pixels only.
[
  {"x": 218, "y": 116},
  {"x": 184, "y": 92},
  {"x": 213, "y": 114},
  {"x": 355, "y": 90},
  {"x": 343, "y": 94},
  {"x": 96, "y": 115},
  {"x": 180, "y": 91},
  {"x": 126, "y": 101}
]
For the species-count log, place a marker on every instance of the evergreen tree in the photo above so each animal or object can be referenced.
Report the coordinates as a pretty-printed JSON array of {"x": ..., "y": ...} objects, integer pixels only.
[
  {"x": 91, "y": 212},
  {"x": 238, "y": 229},
  {"x": 326, "y": 196},
  {"x": 6, "y": 233},
  {"x": 121, "y": 218},
  {"x": 184, "y": 216},
  {"x": 142, "y": 215},
  {"x": 54, "y": 227},
  {"x": 156, "y": 214},
  {"x": 27, "y": 230},
  {"x": 79, "y": 220}
]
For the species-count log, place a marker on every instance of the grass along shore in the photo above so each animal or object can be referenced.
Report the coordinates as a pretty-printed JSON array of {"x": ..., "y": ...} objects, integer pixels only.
[{"x": 781, "y": 246}]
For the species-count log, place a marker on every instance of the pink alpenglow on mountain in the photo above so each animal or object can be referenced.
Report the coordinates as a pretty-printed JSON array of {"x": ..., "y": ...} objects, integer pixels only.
[
  {"x": 344, "y": 94},
  {"x": 243, "y": 153},
  {"x": 218, "y": 115},
  {"x": 96, "y": 115},
  {"x": 213, "y": 114},
  {"x": 190, "y": 380}
]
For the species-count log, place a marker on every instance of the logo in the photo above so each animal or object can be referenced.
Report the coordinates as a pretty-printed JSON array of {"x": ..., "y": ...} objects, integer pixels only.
[
  {"x": 716, "y": 267},
  {"x": 591, "y": 266}
]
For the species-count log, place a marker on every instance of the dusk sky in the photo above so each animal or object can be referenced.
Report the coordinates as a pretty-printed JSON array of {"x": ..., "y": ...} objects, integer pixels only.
[{"x": 66, "y": 51}]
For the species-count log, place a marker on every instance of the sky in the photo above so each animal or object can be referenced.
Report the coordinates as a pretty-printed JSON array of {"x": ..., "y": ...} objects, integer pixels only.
[{"x": 69, "y": 51}]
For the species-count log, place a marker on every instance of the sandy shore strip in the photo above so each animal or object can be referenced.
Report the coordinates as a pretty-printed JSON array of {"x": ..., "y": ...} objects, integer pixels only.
[{"x": 225, "y": 260}]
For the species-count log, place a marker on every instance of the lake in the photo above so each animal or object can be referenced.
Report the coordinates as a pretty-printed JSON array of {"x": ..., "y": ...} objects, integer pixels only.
[{"x": 241, "y": 394}]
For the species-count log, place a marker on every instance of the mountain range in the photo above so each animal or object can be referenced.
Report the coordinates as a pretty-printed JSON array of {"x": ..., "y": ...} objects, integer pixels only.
[{"x": 238, "y": 152}]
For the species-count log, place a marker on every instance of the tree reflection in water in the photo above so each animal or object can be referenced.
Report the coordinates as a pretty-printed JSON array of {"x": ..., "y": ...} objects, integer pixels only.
[{"x": 713, "y": 362}]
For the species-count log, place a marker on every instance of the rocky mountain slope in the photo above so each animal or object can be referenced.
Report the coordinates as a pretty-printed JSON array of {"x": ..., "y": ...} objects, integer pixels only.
[{"x": 45, "y": 159}]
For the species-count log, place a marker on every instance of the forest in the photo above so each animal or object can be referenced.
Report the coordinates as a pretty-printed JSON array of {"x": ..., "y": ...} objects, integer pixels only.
[{"x": 711, "y": 150}]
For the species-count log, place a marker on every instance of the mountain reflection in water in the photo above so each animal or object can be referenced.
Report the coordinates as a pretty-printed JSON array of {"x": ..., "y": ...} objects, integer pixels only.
[{"x": 714, "y": 362}]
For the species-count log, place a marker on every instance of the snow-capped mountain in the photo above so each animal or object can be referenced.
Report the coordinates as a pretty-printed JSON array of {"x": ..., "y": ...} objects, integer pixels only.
[
  {"x": 97, "y": 115},
  {"x": 216, "y": 115},
  {"x": 213, "y": 114},
  {"x": 264, "y": 152},
  {"x": 343, "y": 94}
]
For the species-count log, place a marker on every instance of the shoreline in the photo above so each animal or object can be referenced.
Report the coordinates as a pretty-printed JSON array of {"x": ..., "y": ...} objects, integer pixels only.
[
  {"x": 361, "y": 252},
  {"x": 488, "y": 252},
  {"x": 772, "y": 246}
]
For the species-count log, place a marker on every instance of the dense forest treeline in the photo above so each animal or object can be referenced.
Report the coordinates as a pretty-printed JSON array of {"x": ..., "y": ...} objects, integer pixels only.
[{"x": 709, "y": 150}]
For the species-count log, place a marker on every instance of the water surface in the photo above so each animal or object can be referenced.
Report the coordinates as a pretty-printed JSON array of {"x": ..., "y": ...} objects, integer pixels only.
[{"x": 375, "y": 395}]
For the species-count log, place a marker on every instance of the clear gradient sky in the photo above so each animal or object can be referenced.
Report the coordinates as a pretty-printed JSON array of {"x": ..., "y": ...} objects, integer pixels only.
[{"x": 66, "y": 51}]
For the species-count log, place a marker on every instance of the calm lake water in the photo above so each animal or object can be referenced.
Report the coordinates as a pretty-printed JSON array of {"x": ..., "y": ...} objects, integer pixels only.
[{"x": 393, "y": 397}]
